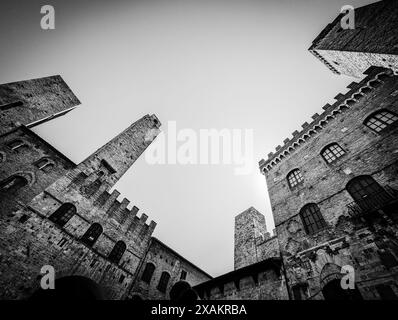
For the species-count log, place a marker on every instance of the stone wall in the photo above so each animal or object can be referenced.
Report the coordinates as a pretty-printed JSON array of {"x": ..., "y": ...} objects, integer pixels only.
[
  {"x": 373, "y": 41},
  {"x": 114, "y": 158},
  {"x": 346, "y": 239},
  {"x": 165, "y": 260},
  {"x": 259, "y": 281},
  {"x": 29, "y": 101},
  {"x": 25, "y": 161},
  {"x": 31, "y": 240},
  {"x": 252, "y": 241}
]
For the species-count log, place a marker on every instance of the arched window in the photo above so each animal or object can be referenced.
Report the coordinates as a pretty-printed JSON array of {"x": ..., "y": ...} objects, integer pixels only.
[
  {"x": 312, "y": 218},
  {"x": 163, "y": 282},
  {"x": 294, "y": 178},
  {"x": 332, "y": 152},
  {"x": 13, "y": 184},
  {"x": 366, "y": 192},
  {"x": 63, "y": 214},
  {"x": 117, "y": 252},
  {"x": 16, "y": 144},
  {"x": 92, "y": 188},
  {"x": 92, "y": 234},
  {"x": 44, "y": 164},
  {"x": 148, "y": 272},
  {"x": 380, "y": 120}
]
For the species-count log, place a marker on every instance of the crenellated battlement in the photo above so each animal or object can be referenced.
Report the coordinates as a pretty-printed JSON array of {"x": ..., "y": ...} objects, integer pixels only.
[
  {"x": 123, "y": 213},
  {"x": 109, "y": 203},
  {"x": 344, "y": 101}
]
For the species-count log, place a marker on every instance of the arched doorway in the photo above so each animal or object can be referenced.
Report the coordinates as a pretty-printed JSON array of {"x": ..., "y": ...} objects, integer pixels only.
[
  {"x": 71, "y": 288},
  {"x": 333, "y": 291},
  {"x": 330, "y": 279},
  {"x": 183, "y": 293}
]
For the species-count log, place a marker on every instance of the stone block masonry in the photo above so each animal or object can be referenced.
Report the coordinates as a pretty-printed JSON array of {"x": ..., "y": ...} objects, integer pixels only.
[
  {"x": 35, "y": 101},
  {"x": 351, "y": 222},
  {"x": 373, "y": 41}
]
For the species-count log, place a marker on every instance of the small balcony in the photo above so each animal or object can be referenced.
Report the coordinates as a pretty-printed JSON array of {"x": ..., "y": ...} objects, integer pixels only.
[{"x": 372, "y": 202}]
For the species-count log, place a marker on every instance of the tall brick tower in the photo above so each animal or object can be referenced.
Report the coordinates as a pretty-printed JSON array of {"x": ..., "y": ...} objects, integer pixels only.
[
  {"x": 35, "y": 101},
  {"x": 373, "y": 41},
  {"x": 250, "y": 228}
]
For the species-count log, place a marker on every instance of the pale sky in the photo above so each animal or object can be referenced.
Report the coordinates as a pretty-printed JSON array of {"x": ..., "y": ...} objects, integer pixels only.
[{"x": 202, "y": 63}]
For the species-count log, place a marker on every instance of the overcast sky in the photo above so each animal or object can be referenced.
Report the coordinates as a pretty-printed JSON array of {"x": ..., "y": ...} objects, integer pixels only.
[{"x": 202, "y": 63}]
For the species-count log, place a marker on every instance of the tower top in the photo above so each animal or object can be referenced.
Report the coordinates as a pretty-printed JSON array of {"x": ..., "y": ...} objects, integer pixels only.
[
  {"x": 249, "y": 228},
  {"x": 371, "y": 42},
  {"x": 112, "y": 160},
  {"x": 31, "y": 102}
]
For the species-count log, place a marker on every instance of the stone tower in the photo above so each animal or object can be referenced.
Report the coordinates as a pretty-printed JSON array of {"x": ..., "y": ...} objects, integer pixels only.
[
  {"x": 250, "y": 228},
  {"x": 35, "y": 101},
  {"x": 108, "y": 164},
  {"x": 373, "y": 41},
  {"x": 333, "y": 192}
]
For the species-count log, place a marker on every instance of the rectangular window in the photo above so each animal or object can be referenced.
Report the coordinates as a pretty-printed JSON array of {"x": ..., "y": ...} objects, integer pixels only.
[
  {"x": 62, "y": 242},
  {"x": 23, "y": 218},
  {"x": 11, "y": 105},
  {"x": 183, "y": 275},
  {"x": 108, "y": 166}
]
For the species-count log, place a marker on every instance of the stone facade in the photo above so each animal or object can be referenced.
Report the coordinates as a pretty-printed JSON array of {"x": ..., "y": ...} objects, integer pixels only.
[
  {"x": 252, "y": 241},
  {"x": 350, "y": 230},
  {"x": 165, "y": 260},
  {"x": 259, "y": 281},
  {"x": 373, "y": 41},
  {"x": 58, "y": 213},
  {"x": 31, "y": 240},
  {"x": 35, "y": 101},
  {"x": 24, "y": 153}
]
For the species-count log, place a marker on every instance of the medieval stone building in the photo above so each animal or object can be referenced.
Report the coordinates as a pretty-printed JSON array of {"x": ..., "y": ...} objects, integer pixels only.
[
  {"x": 58, "y": 213},
  {"x": 162, "y": 265},
  {"x": 258, "y": 273},
  {"x": 372, "y": 42},
  {"x": 333, "y": 194},
  {"x": 333, "y": 185}
]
